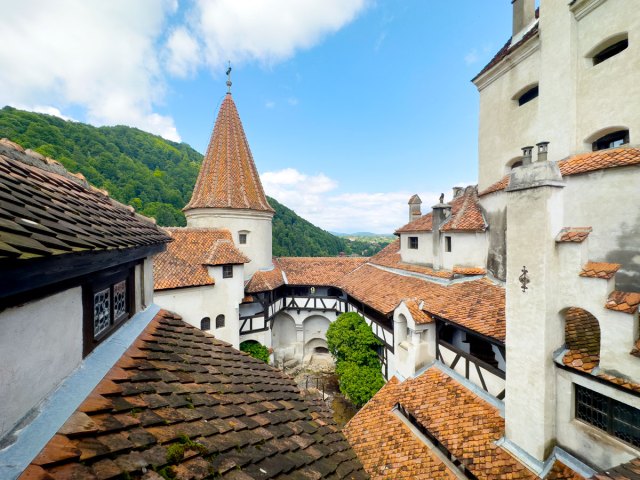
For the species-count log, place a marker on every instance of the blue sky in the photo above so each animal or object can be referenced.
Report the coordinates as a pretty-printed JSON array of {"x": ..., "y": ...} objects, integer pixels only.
[{"x": 350, "y": 106}]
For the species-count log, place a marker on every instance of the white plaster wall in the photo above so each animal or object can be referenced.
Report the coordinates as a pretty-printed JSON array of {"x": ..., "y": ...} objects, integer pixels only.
[
  {"x": 414, "y": 344},
  {"x": 603, "y": 450},
  {"x": 41, "y": 343},
  {"x": 314, "y": 327},
  {"x": 284, "y": 338},
  {"x": 495, "y": 385},
  {"x": 467, "y": 250},
  {"x": 607, "y": 93},
  {"x": 195, "y": 303},
  {"x": 421, "y": 255},
  {"x": 257, "y": 224},
  {"x": 505, "y": 127}
]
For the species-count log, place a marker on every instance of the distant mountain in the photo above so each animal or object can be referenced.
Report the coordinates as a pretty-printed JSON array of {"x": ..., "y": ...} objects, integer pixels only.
[{"x": 154, "y": 175}]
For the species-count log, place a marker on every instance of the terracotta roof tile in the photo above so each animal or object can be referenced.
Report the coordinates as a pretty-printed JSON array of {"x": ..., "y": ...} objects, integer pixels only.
[
  {"x": 184, "y": 263},
  {"x": 264, "y": 280},
  {"x": 463, "y": 423},
  {"x": 466, "y": 216},
  {"x": 476, "y": 304},
  {"x": 600, "y": 270},
  {"x": 469, "y": 271},
  {"x": 46, "y": 211},
  {"x": 228, "y": 176},
  {"x": 320, "y": 271},
  {"x": 419, "y": 315},
  {"x": 584, "y": 163},
  {"x": 389, "y": 256},
  {"x": 224, "y": 252},
  {"x": 626, "y": 302},
  {"x": 582, "y": 338},
  {"x": 385, "y": 446},
  {"x": 626, "y": 471},
  {"x": 573, "y": 234},
  {"x": 560, "y": 471},
  {"x": 222, "y": 412}
]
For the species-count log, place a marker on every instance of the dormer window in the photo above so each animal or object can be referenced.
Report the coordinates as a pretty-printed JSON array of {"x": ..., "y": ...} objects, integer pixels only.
[
  {"x": 610, "y": 51},
  {"x": 227, "y": 271},
  {"x": 528, "y": 95},
  {"x": 611, "y": 140},
  {"x": 413, "y": 243}
]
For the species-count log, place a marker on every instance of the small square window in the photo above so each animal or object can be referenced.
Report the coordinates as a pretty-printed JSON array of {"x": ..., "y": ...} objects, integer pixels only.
[
  {"x": 227, "y": 271},
  {"x": 413, "y": 242},
  {"x": 220, "y": 321},
  {"x": 242, "y": 238},
  {"x": 447, "y": 244}
]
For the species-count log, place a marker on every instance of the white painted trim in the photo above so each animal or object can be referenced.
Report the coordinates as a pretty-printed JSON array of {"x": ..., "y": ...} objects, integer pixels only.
[
  {"x": 510, "y": 61},
  {"x": 582, "y": 8}
]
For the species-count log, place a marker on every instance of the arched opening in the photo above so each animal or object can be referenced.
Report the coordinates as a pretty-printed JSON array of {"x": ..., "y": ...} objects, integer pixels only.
[
  {"x": 205, "y": 323},
  {"x": 582, "y": 339},
  {"x": 608, "y": 48},
  {"x": 321, "y": 350},
  {"x": 528, "y": 93},
  {"x": 283, "y": 331},
  {"x": 220, "y": 321},
  {"x": 316, "y": 346},
  {"x": 315, "y": 332},
  {"x": 515, "y": 162}
]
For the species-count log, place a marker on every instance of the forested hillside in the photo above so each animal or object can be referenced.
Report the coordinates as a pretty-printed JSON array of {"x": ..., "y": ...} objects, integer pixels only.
[{"x": 154, "y": 175}]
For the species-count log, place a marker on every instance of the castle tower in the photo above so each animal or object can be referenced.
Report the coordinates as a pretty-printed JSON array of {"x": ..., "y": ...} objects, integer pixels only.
[{"x": 228, "y": 192}]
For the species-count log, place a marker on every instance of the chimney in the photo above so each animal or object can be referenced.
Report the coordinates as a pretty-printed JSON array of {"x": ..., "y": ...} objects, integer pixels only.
[
  {"x": 543, "y": 149},
  {"x": 527, "y": 153},
  {"x": 440, "y": 213},
  {"x": 457, "y": 191},
  {"x": 524, "y": 11},
  {"x": 414, "y": 208}
]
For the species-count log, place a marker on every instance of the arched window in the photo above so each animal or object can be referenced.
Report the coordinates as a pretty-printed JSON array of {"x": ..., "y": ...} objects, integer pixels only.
[
  {"x": 205, "y": 323},
  {"x": 609, "y": 48},
  {"x": 611, "y": 140},
  {"x": 528, "y": 95},
  {"x": 582, "y": 339},
  {"x": 220, "y": 321}
]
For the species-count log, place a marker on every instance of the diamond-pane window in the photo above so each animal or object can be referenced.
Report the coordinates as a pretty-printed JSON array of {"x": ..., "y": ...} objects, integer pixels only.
[
  {"x": 101, "y": 311},
  {"x": 119, "y": 300}
]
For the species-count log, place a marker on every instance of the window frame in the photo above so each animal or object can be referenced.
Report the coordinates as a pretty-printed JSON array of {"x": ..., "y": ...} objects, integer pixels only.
[
  {"x": 242, "y": 238},
  {"x": 227, "y": 271},
  {"x": 220, "y": 321},
  {"x": 412, "y": 243},
  {"x": 106, "y": 280},
  {"x": 609, "y": 138},
  {"x": 448, "y": 244},
  {"x": 601, "y": 54},
  {"x": 528, "y": 95},
  {"x": 607, "y": 412},
  {"x": 205, "y": 321}
]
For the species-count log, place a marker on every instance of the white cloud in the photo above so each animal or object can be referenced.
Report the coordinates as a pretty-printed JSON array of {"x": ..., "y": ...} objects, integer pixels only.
[
  {"x": 183, "y": 53},
  {"x": 314, "y": 197},
  {"x": 48, "y": 109},
  {"x": 94, "y": 54},
  {"x": 267, "y": 31}
]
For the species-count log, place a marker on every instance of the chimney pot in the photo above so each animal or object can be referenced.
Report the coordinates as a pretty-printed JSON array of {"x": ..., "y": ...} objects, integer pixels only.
[
  {"x": 527, "y": 153},
  {"x": 543, "y": 149}
]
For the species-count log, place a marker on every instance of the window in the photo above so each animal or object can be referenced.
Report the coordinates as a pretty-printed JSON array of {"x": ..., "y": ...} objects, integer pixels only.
[
  {"x": 108, "y": 302},
  {"x": 611, "y": 140},
  {"x": 205, "y": 323},
  {"x": 227, "y": 271},
  {"x": 447, "y": 244},
  {"x": 220, "y": 321},
  {"x": 614, "y": 417},
  {"x": 482, "y": 350},
  {"x": 413, "y": 242},
  {"x": 527, "y": 96},
  {"x": 610, "y": 51},
  {"x": 242, "y": 238}
]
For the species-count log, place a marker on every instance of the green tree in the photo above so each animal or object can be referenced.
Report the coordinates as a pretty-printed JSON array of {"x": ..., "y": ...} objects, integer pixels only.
[
  {"x": 256, "y": 350},
  {"x": 353, "y": 345}
]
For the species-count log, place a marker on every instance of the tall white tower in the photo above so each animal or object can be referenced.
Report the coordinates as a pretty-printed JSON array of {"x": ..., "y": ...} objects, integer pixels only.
[{"x": 228, "y": 192}]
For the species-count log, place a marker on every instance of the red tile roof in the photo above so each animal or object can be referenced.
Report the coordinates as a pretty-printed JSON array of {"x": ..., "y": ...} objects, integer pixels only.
[
  {"x": 626, "y": 302},
  {"x": 389, "y": 256},
  {"x": 319, "y": 271},
  {"x": 466, "y": 216},
  {"x": 478, "y": 304},
  {"x": 626, "y": 471},
  {"x": 584, "y": 163},
  {"x": 463, "y": 423},
  {"x": 228, "y": 177},
  {"x": 582, "y": 338},
  {"x": 469, "y": 271},
  {"x": 264, "y": 280},
  {"x": 600, "y": 270},
  {"x": 47, "y": 211},
  {"x": 224, "y": 252},
  {"x": 184, "y": 263},
  {"x": 573, "y": 234},
  {"x": 182, "y": 402}
]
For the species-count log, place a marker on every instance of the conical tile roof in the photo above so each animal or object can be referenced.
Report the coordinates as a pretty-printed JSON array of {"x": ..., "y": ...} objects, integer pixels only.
[{"x": 228, "y": 177}]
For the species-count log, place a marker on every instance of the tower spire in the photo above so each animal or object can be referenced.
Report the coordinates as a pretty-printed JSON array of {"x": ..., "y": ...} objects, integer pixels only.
[{"x": 229, "y": 77}]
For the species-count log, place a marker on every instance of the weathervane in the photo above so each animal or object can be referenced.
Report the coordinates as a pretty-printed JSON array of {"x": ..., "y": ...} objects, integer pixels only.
[{"x": 229, "y": 77}]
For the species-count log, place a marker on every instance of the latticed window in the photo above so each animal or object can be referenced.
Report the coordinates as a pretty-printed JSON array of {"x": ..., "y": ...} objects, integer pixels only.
[
  {"x": 413, "y": 242},
  {"x": 205, "y": 323},
  {"x": 227, "y": 271},
  {"x": 109, "y": 307},
  {"x": 614, "y": 417},
  {"x": 220, "y": 321}
]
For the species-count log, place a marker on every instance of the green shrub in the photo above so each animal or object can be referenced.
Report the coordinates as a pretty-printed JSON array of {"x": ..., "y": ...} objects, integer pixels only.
[
  {"x": 256, "y": 350},
  {"x": 353, "y": 345}
]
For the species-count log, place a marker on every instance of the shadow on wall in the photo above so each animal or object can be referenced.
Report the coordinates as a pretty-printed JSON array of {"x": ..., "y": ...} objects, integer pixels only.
[{"x": 628, "y": 255}]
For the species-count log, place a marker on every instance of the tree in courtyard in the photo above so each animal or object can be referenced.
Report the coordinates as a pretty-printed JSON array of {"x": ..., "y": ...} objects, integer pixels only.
[{"x": 353, "y": 345}]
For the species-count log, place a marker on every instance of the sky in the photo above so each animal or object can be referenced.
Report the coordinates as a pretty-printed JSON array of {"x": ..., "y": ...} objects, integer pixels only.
[{"x": 349, "y": 106}]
